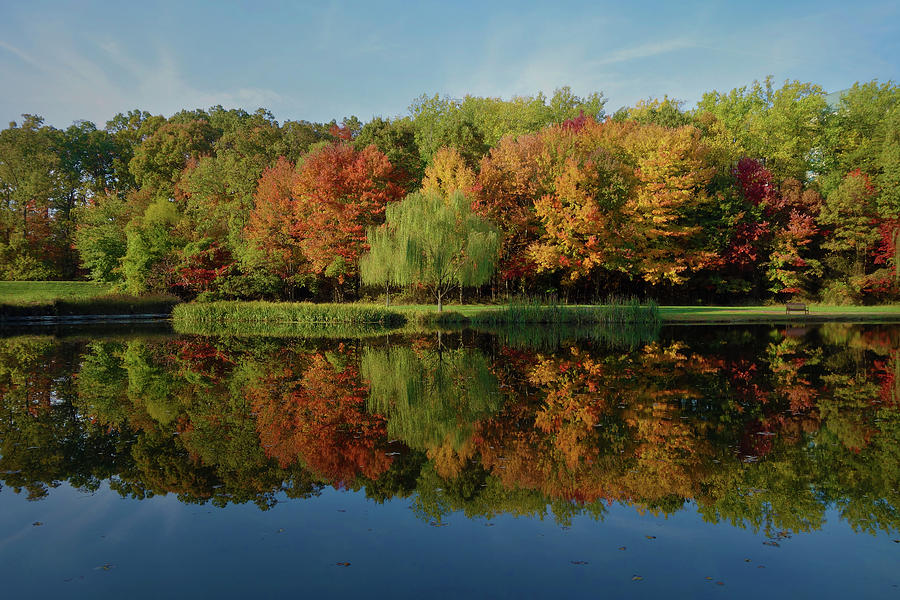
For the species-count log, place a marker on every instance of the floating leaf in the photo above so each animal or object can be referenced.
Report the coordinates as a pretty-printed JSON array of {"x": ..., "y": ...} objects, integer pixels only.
[
  {"x": 621, "y": 547},
  {"x": 720, "y": 583},
  {"x": 650, "y": 537},
  {"x": 578, "y": 562},
  {"x": 636, "y": 578},
  {"x": 36, "y": 524},
  {"x": 708, "y": 578},
  {"x": 772, "y": 543},
  {"x": 343, "y": 564}
]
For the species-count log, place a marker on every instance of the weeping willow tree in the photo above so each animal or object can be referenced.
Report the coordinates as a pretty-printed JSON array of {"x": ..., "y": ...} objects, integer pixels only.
[
  {"x": 378, "y": 266},
  {"x": 434, "y": 241}
]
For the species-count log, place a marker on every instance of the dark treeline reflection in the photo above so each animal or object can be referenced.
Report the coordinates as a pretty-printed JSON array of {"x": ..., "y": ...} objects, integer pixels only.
[{"x": 761, "y": 427}]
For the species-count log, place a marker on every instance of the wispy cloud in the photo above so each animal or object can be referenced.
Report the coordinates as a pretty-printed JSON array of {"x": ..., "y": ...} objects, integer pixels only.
[
  {"x": 22, "y": 55},
  {"x": 643, "y": 51}
]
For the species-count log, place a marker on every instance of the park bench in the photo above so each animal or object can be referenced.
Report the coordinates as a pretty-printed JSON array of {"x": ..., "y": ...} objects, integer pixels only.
[{"x": 795, "y": 307}]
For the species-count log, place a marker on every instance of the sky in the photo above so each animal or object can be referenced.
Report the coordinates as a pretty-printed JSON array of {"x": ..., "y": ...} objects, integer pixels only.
[{"x": 85, "y": 59}]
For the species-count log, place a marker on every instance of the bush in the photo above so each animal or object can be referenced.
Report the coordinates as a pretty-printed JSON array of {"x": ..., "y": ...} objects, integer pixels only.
[{"x": 838, "y": 293}]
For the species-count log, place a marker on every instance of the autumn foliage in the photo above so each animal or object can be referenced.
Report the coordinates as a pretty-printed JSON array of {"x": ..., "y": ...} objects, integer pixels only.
[{"x": 761, "y": 193}]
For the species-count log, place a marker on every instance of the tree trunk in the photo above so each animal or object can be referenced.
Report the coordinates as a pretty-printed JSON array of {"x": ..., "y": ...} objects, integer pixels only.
[
  {"x": 440, "y": 302},
  {"x": 387, "y": 295}
]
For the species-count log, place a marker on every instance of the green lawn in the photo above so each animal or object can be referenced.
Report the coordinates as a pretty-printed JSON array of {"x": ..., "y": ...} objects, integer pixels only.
[
  {"x": 718, "y": 314},
  {"x": 822, "y": 312},
  {"x": 26, "y": 299},
  {"x": 40, "y": 292}
]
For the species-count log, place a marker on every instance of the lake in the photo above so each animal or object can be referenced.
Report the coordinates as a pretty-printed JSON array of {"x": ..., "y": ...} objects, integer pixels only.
[{"x": 701, "y": 461}]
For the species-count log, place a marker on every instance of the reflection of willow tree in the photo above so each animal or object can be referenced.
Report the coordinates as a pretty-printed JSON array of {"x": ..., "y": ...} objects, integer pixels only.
[{"x": 432, "y": 398}]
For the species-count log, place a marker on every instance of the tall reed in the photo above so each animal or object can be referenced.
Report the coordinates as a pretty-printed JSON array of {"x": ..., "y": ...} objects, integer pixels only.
[{"x": 285, "y": 312}]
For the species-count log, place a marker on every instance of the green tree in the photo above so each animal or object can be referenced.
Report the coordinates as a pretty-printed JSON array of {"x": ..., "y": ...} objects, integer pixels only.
[
  {"x": 849, "y": 213},
  {"x": 397, "y": 140},
  {"x": 783, "y": 126},
  {"x": 667, "y": 112},
  {"x": 128, "y": 130},
  {"x": 856, "y": 131},
  {"x": 29, "y": 183},
  {"x": 100, "y": 237},
  {"x": 434, "y": 241},
  {"x": 149, "y": 249},
  {"x": 888, "y": 176}
]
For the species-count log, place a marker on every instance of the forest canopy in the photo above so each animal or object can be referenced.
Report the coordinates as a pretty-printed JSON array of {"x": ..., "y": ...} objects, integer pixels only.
[{"x": 757, "y": 193}]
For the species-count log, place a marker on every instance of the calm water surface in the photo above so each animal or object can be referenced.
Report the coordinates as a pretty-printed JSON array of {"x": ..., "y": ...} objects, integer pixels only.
[{"x": 695, "y": 462}]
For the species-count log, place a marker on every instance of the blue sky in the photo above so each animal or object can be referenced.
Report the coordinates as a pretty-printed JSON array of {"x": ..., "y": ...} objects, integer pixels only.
[{"x": 323, "y": 60}]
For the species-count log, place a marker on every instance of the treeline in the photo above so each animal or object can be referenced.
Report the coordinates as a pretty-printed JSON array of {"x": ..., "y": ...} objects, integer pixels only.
[{"x": 759, "y": 193}]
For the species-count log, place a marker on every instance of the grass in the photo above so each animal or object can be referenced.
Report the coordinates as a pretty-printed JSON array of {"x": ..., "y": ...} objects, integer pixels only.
[
  {"x": 216, "y": 315},
  {"x": 197, "y": 313},
  {"x": 23, "y": 299},
  {"x": 97, "y": 306},
  {"x": 361, "y": 320},
  {"x": 42, "y": 292},
  {"x": 71, "y": 298},
  {"x": 263, "y": 329},
  {"x": 776, "y": 313},
  {"x": 615, "y": 311}
]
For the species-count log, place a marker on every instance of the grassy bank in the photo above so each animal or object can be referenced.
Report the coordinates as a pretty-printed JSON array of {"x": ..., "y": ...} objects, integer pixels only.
[
  {"x": 103, "y": 305},
  {"x": 80, "y": 298},
  {"x": 519, "y": 313},
  {"x": 207, "y": 313},
  {"x": 23, "y": 299}
]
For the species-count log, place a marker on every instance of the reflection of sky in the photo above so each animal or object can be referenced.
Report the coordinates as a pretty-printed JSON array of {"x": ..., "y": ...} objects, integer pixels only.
[
  {"x": 161, "y": 548},
  {"x": 320, "y": 61}
]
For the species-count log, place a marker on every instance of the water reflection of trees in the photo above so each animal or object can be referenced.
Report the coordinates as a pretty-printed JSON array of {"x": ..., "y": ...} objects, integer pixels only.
[
  {"x": 761, "y": 428},
  {"x": 432, "y": 398}
]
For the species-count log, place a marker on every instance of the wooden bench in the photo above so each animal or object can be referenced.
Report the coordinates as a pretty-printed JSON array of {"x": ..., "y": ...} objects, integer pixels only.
[{"x": 796, "y": 307}]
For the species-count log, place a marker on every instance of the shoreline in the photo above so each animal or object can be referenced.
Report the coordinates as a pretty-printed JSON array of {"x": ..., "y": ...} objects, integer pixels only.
[{"x": 472, "y": 314}]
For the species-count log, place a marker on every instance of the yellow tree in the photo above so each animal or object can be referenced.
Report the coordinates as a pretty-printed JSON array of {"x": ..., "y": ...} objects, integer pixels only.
[
  {"x": 672, "y": 171},
  {"x": 448, "y": 173}
]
